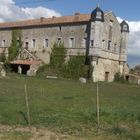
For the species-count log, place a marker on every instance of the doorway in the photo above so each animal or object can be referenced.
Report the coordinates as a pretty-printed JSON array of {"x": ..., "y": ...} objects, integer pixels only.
[
  {"x": 25, "y": 68},
  {"x": 106, "y": 76}
]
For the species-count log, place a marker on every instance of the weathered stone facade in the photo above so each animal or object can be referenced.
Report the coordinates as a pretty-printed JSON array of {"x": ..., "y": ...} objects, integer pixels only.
[{"x": 98, "y": 35}]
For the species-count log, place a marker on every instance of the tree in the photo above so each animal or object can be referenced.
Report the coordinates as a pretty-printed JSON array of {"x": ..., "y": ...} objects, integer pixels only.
[
  {"x": 57, "y": 58},
  {"x": 15, "y": 44}
]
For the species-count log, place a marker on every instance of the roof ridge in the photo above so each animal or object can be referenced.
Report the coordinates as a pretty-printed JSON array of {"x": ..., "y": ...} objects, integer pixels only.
[{"x": 50, "y": 20}]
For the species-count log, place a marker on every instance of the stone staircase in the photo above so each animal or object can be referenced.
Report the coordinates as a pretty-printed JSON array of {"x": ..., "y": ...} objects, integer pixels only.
[{"x": 24, "y": 54}]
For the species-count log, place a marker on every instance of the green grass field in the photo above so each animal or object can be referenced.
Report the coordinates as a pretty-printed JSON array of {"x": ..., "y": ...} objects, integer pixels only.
[{"x": 69, "y": 107}]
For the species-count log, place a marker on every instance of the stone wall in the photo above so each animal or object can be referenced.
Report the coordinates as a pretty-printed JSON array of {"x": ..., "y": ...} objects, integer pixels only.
[
  {"x": 5, "y": 36},
  {"x": 104, "y": 69},
  {"x": 53, "y": 33},
  {"x": 102, "y": 33}
]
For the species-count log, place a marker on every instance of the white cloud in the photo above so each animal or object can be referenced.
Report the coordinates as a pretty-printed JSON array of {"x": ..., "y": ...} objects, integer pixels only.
[
  {"x": 134, "y": 40},
  {"x": 11, "y": 12}
]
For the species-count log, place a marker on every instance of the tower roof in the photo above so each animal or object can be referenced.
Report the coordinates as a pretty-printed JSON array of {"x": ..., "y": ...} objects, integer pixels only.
[
  {"x": 97, "y": 14},
  {"x": 124, "y": 26}
]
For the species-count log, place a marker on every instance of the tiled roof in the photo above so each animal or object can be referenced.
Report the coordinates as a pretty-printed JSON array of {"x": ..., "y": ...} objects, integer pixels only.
[
  {"x": 78, "y": 18},
  {"x": 25, "y": 62}
]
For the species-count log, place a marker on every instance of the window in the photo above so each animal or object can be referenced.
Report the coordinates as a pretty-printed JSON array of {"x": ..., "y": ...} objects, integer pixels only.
[
  {"x": 103, "y": 44},
  {"x": 99, "y": 15},
  {"x": 106, "y": 76},
  {"x": 33, "y": 43},
  {"x": 111, "y": 23},
  {"x": 59, "y": 40},
  {"x": 71, "y": 43},
  {"x": 60, "y": 28},
  {"x": 109, "y": 45},
  {"x": 115, "y": 48},
  {"x": 26, "y": 45},
  {"x": 125, "y": 27},
  {"x": 46, "y": 43},
  {"x": 110, "y": 32},
  {"x": 18, "y": 42},
  {"x": 84, "y": 42},
  {"x": 92, "y": 43},
  {"x": 3, "y": 43}
]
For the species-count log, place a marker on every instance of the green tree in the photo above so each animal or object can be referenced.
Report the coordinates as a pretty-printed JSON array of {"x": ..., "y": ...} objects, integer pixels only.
[
  {"x": 75, "y": 67},
  {"x": 57, "y": 58},
  {"x": 15, "y": 44},
  {"x": 2, "y": 57},
  {"x": 119, "y": 78}
]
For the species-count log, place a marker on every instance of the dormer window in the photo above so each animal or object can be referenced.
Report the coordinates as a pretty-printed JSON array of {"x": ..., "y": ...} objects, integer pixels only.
[
  {"x": 99, "y": 15},
  {"x": 125, "y": 27}
]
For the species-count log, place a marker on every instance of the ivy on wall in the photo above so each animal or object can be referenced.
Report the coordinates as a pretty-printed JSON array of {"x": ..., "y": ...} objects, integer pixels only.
[
  {"x": 15, "y": 44},
  {"x": 57, "y": 58}
]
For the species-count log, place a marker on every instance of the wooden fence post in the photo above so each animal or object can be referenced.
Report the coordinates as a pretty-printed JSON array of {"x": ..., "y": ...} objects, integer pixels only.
[
  {"x": 27, "y": 105},
  {"x": 97, "y": 105}
]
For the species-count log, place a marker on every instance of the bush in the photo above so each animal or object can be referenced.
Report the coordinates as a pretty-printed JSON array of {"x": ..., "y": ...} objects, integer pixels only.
[
  {"x": 58, "y": 55},
  {"x": 7, "y": 67},
  {"x": 45, "y": 70},
  {"x": 119, "y": 78},
  {"x": 74, "y": 68},
  {"x": 2, "y": 57},
  {"x": 15, "y": 45}
]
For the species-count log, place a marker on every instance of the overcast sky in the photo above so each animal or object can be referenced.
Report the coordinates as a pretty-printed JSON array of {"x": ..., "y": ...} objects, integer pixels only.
[{"x": 13, "y": 10}]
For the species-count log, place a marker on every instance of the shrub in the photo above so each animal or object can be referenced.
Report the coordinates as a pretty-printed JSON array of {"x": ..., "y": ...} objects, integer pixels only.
[
  {"x": 119, "y": 78},
  {"x": 2, "y": 57},
  {"x": 74, "y": 68},
  {"x": 45, "y": 70},
  {"x": 7, "y": 66},
  {"x": 57, "y": 58},
  {"x": 15, "y": 45}
]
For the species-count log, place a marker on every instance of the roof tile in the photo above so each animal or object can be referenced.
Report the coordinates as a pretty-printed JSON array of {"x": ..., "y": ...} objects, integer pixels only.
[{"x": 47, "y": 21}]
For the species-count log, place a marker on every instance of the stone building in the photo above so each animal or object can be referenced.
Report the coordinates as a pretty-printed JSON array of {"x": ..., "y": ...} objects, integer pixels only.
[{"x": 98, "y": 35}]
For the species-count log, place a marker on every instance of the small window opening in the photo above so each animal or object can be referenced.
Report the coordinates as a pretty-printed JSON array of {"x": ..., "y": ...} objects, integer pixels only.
[
  {"x": 109, "y": 45},
  {"x": 71, "y": 42},
  {"x": 92, "y": 43},
  {"x": 34, "y": 43},
  {"x": 3, "y": 43},
  {"x": 46, "y": 43}
]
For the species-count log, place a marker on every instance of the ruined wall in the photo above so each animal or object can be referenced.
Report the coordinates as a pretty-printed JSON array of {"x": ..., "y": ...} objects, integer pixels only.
[{"x": 105, "y": 69}]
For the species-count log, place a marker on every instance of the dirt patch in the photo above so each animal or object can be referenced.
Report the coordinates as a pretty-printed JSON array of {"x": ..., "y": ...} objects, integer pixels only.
[{"x": 32, "y": 133}]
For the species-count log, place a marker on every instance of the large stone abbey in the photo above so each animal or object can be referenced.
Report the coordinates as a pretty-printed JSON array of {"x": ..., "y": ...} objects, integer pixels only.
[{"x": 98, "y": 35}]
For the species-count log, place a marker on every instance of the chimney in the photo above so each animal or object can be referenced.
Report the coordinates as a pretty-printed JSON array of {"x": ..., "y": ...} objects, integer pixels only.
[
  {"x": 41, "y": 19},
  {"x": 77, "y": 13}
]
